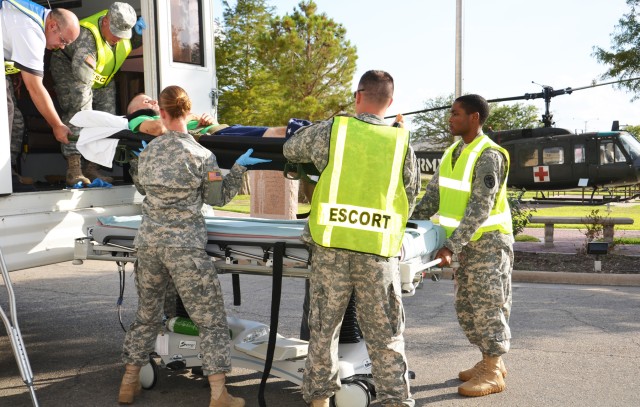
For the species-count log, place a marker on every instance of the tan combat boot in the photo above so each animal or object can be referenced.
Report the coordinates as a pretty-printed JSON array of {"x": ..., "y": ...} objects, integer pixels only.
[
  {"x": 487, "y": 380},
  {"x": 466, "y": 375},
  {"x": 21, "y": 179},
  {"x": 74, "y": 171},
  {"x": 91, "y": 171},
  {"x": 130, "y": 386},
  {"x": 219, "y": 395},
  {"x": 320, "y": 403}
]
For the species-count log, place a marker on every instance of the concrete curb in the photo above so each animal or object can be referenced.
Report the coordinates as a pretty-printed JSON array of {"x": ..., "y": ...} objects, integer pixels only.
[{"x": 552, "y": 277}]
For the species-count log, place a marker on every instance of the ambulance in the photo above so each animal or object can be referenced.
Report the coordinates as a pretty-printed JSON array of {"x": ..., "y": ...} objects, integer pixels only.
[{"x": 39, "y": 227}]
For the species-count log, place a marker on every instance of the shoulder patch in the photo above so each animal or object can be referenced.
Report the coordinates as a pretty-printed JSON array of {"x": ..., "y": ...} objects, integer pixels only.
[{"x": 489, "y": 181}]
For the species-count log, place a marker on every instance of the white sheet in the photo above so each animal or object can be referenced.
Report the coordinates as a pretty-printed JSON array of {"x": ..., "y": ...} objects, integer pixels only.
[{"x": 93, "y": 143}]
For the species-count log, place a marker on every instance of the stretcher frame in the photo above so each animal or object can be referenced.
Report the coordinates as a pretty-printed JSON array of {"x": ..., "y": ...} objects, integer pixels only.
[
  {"x": 15, "y": 336},
  {"x": 286, "y": 361}
]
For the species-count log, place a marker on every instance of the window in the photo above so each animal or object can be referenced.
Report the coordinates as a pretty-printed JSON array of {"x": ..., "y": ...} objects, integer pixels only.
[
  {"x": 610, "y": 153},
  {"x": 528, "y": 156},
  {"x": 578, "y": 154},
  {"x": 186, "y": 32},
  {"x": 553, "y": 155}
]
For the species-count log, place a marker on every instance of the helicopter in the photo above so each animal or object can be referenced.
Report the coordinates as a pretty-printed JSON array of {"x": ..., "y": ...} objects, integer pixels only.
[{"x": 550, "y": 158}]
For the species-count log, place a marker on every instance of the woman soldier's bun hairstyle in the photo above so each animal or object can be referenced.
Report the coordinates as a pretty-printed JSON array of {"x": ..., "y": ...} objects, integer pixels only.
[{"x": 175, "y": 101}]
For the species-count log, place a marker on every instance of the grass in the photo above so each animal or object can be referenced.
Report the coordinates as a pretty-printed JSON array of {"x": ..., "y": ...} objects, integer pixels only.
[{"x": 526, "y": 238}]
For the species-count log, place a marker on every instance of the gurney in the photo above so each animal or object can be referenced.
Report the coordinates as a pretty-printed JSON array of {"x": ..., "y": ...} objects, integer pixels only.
[
  {"x": 105, "y": 137},
  {"x": 271, "y": 248}
]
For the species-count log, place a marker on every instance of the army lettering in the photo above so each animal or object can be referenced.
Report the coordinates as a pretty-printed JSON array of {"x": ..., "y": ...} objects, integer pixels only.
[{"x": 363, "y": 218}]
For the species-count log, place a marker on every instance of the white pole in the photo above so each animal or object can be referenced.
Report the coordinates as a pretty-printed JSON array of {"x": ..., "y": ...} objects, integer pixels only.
[{"x": 459, "y": 22}]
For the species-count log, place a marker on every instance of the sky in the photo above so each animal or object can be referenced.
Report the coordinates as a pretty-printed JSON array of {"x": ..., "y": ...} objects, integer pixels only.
[{"x": 507, "y": 45}]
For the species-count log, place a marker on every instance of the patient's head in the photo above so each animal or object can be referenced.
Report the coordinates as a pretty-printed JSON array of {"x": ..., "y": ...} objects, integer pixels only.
[{"x": 142, "y": 101}]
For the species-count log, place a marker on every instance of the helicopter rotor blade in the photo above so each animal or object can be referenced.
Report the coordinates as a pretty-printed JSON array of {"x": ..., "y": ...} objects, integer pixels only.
[{"x": 547, "y": 94}]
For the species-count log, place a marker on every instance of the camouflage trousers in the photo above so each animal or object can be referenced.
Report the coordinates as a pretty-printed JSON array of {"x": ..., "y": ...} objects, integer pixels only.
[
  {"x": 74, "y": 96},
  {"x": 483, "y": 295},
  {"x": 375, "y": 281},
  {"x": 16, "y": 122},
  {"x": 196, "y": 280}
]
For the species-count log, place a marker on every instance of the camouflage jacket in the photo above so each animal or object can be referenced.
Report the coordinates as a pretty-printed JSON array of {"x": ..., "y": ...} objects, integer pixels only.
[{"x": 172, "y": 172}]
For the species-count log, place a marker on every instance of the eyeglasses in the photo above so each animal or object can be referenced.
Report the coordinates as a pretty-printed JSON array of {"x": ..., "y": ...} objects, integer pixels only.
[
  {"x": 63, "y": 42},
  {"x": 356, "y": 92}
]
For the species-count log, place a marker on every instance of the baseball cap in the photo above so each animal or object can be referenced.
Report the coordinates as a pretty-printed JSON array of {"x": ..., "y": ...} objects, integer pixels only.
[{"x": 122, "y": 17}]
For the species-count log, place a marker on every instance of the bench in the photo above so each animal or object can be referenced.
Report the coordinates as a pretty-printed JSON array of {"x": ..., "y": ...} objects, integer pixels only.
[{"x": 550, "y": 221}]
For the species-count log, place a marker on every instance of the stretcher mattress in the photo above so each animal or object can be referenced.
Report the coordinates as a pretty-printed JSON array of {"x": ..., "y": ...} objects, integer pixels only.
[{"x": 255, "y": 236}]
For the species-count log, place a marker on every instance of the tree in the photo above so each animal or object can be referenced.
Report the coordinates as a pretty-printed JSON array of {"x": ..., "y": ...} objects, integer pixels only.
[
  {"x": 623, "y": 60},
  {"x": 248, "y": 94},
  {"x": 312, "y": 61},
  {"x": 433, "y": 127},
  {"x": 634, "y": 131},
  {"x": 512, "y": 116}
]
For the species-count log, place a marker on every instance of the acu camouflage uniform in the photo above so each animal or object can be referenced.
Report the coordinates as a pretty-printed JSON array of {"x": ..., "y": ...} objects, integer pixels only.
[
  {"x": 374, "y": 280},
  {"x": 73, "y": 81},
  {"x": 175, "y": 173},
  {"x": 16, "y": 123},
  {"x": 483, "y": 293}
]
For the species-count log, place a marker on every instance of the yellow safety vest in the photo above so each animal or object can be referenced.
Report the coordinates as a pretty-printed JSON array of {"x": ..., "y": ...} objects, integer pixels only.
[
  {"x": 360, "y": 202},
  {"x": 107, "y": 63},
  {"x": 32, "y": 10},
  {"x": 455, "y": 189}
]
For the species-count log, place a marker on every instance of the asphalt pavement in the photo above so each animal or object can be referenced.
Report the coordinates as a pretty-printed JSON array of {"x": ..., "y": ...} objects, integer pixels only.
[{"x": 573, "y": 345}]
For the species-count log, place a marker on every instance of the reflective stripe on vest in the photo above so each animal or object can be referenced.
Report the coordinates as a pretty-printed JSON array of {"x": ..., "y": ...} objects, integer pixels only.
[
  {"x": 455, "y": 189},
  {"x": 107, "y": 63},
  {"x": 32, "y": 10},
  {"x": 360, "y": 202}
]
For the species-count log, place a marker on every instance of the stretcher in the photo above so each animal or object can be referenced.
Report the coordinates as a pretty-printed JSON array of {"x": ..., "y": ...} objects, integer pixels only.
[{"x": 271, "y": 248}]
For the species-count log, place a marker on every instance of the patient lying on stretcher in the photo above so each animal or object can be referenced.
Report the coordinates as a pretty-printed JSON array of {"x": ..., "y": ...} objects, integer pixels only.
[{"x": 143, "y": 114}]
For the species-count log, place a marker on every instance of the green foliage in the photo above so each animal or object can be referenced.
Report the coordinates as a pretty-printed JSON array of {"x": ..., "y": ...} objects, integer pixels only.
[
  {"x": 593, "y": 227},
  {"x": 271, "y": 69},
  {"x": 634, "y": 131},
  {"x": 433, "y": 126},
  {"x": 309, "y": 56},
  {"x": 623, "y": 60},
  {"x": 512, "y": 116},
  {"x": 247, "y": 94},
  {"x": 520, "y": 214}
]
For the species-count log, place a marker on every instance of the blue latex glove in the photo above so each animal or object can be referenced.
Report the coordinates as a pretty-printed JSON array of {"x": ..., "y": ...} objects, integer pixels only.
[
  {"x": 144, "y": 145},
  {"x": 246, "y": 159},
  {"x": 140, "y": 25},
  {"x": 99, "y": 183},
  {"x": 96, "y": 183}
]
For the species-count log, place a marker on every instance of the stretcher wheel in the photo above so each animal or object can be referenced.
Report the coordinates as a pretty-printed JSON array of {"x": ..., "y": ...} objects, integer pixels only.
[
  {"x": 352, "y": 394},
  {"x": 149, "y": 374}
]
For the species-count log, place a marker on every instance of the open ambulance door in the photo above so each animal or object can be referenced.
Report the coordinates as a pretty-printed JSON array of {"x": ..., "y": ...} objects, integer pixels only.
[{"x": 179, "y": 49}]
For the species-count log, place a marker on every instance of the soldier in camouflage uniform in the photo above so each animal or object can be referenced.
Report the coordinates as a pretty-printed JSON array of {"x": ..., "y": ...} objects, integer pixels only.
[
  {"x": 82, "y": 74},
  {"x": 337, "y": 272},
  {"x": 177, "y": 176},
  {"x": 479, "y": 232},
  {"x": 17, "y": 138}
]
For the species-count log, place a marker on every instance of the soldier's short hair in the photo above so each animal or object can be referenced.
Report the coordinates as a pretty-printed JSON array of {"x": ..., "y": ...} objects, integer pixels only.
[
  {"x": 377, "y": 86},
  {"x": 475, "y": 104}
]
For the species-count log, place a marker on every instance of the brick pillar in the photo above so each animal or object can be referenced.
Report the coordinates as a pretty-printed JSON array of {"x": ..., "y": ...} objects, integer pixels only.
[{"x": 272, "y": 195}]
